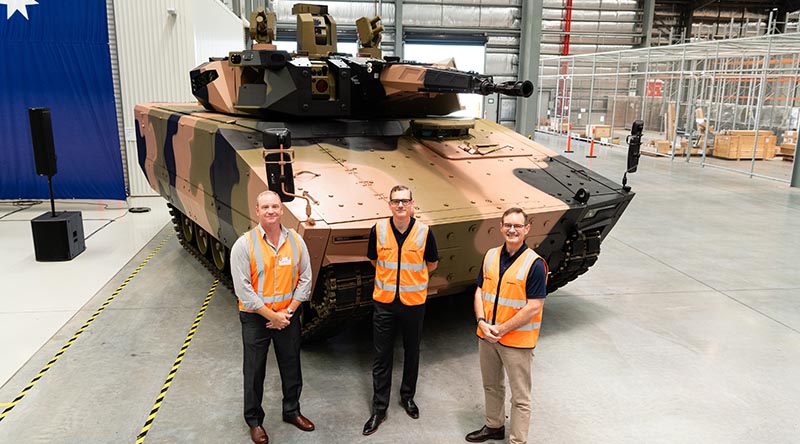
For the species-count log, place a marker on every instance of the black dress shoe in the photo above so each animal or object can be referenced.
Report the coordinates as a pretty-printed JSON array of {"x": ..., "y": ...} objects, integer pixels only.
[
  {"x": 410, "y": 407},
  {"x": 373, "y": 422},
  {"x": 486, "y": 433}
]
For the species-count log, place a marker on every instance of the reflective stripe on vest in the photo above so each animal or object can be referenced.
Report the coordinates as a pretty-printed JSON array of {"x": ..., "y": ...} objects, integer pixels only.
[
  {"x": 393, "y": 266},
  {"x": 276, "y": 290},
  {"x": 531, "y": 326},
  {"x": 512, "y": 297},
  {"x": 403, "y": 288},
  {"x": 513, "y": 303},
  {"x": 409, "y": 270}
]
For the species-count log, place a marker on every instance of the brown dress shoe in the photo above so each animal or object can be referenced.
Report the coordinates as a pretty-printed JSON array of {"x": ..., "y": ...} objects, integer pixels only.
[
  {"x": 301, "y": 422},
  {"x": 259, "y": 435}
]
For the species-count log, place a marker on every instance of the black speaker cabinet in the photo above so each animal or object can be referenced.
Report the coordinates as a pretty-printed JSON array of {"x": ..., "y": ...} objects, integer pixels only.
[
  {"x": 44, "y": 152},
  {"x": 59, "y": 237}
]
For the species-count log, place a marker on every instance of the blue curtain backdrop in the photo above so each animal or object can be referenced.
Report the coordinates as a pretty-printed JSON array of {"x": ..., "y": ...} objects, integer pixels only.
[{"x": 58, "y": 57}]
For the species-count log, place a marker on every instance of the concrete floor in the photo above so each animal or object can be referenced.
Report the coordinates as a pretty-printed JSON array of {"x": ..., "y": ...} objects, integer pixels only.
[
  {"x": 40, "y": 297},
  {"x": 687, "y": 330}
]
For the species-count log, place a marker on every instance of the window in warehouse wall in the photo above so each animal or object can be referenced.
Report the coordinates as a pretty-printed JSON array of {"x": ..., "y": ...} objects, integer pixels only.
[{"x": 467, "y": 58}]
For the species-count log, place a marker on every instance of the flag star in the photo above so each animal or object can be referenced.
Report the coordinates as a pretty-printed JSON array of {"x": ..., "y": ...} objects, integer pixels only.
[{"x": 12, "y": 6}]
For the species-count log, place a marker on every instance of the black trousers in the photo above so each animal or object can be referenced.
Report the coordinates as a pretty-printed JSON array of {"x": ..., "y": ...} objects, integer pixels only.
[
  {"x": 256, "y": 339},
  {"x": 387, "y": 319}
]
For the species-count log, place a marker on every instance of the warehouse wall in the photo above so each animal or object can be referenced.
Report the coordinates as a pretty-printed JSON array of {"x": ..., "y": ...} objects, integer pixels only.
[
  {"x": 596, "y": 26},
  {"x": 156, "y": 51}
]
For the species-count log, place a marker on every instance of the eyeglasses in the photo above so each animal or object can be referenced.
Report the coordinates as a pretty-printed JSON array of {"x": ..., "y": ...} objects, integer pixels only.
[
  {"x": 397, "y": 202},
  {"x": 514, "y": 226}
]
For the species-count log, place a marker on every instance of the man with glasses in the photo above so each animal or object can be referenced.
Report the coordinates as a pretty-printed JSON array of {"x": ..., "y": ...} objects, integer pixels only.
[
  {"x": 512, "y": 285},
  {"x": 403, "y": 251}
]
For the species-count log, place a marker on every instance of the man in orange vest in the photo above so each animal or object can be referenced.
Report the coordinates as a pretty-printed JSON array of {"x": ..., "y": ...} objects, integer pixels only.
[
  {"x": 403, "y": 251},
  {"x": 271, "y": 276},
  {"x": 512, "y": 285}
]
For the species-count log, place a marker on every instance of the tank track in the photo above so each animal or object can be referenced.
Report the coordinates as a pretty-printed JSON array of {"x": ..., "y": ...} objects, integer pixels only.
[
  {"x": 225, "y": 278},
  {"x": 580, "y": 252},
  {"x": 343, "y": 293}
]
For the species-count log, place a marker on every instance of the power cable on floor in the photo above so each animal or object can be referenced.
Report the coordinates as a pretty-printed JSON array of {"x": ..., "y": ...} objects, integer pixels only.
[
  {"x": 108, "y": 222},
  {"x": 31, "y": 203},
  {"x": 24, "y": 204}
]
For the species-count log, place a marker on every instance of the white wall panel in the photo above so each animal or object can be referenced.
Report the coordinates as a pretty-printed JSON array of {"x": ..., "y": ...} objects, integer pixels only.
[
  {"x": 157, "y": 49},
  {"x": 112, "y": 49},
  {"x": 211, "y": 39}
]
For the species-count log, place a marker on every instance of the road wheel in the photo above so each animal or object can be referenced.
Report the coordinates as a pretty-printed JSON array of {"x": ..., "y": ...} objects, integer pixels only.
[
  {"x": 202, "y": 241},
  {"x": 219, "y": 254},
  {"x": 188, "y": 228}
]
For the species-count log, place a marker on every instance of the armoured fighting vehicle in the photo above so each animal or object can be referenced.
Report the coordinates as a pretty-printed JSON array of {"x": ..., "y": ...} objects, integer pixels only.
[{"x": 332, "y": 133}]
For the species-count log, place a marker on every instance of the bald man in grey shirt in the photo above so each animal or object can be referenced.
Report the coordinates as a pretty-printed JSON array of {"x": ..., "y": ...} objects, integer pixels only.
[
  {"x": 277, "y": 259},
  {"x": 240, "y": 269}
]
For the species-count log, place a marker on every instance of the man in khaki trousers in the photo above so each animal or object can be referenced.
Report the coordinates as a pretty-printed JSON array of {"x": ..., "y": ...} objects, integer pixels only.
[{"x": 512, "y": 285}]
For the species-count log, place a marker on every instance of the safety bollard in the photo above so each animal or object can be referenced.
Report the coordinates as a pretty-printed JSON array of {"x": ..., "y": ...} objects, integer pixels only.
[
  {"x": 591, "y": 146},
  {"x": 569, "y": 141}
]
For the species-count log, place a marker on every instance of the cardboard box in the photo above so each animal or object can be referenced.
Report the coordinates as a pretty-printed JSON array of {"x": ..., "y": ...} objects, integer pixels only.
[
  {"x": 662, "y": 146},
  {"x": 786, "y": 149},
  {"x": 563, "y": 128},
  {"x": 600, "y": 131},
  {"x": 790, "y": 136},
  {"x": 610, "y": 141},
  {"x": 739, "y": 144}
]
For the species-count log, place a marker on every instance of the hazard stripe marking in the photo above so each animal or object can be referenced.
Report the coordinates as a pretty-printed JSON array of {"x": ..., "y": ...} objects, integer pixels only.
[
  {"x": 160, "y": 399},
  {"x": 80, "y": 330}
]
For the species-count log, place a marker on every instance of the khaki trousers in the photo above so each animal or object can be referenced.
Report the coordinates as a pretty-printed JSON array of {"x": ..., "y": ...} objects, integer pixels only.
[{"x": 517, "y": 364}]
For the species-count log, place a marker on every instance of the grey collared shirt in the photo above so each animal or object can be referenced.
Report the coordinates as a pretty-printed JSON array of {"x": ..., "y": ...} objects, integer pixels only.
[{"x": 240, "y": 270}]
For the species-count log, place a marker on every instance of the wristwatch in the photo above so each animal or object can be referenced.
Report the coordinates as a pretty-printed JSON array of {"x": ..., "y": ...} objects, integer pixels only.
[
  {"x": 481, "y": 319},
  {"x": 290, "y": 311}
]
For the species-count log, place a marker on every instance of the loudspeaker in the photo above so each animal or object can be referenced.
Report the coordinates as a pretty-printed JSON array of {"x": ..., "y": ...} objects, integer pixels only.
[
  {"x": 59, "y": 237},
  {"x": 44, "y": 152}
]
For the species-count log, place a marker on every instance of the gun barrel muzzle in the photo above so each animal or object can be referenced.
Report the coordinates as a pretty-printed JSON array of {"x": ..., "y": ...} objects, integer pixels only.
[{"x": 522, "y": 88}]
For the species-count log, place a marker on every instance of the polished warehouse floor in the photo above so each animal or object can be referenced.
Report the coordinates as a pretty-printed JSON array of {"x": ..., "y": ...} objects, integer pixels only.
[{"x": 687, "y": 330}]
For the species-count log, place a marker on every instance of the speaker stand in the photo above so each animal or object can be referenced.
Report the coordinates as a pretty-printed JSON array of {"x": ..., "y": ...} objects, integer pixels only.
[{"x": 52, "y": 200}]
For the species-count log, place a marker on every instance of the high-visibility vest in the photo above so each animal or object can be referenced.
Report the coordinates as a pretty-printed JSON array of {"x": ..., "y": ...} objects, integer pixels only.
[
  {"x": 412, "y": 279},
  {"x": 275, "y": 287},
  {"x": 512, "y": 296}
]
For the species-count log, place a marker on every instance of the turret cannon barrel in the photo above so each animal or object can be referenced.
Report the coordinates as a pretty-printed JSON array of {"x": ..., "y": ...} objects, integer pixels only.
[
  {"x": 454, "y": 81},
  {"x": 522, "y": 88}
]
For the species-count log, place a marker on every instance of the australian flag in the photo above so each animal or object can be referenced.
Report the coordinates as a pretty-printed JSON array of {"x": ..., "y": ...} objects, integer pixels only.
[{"x": 55, "y": 54}]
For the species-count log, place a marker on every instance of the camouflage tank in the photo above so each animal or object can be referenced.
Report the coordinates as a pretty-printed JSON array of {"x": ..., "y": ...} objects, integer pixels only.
[{"x": 332, "y": 133}]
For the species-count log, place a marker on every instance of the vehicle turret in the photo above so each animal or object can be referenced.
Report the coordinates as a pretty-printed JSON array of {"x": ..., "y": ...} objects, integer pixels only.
[{"x": 317, "y": 81}]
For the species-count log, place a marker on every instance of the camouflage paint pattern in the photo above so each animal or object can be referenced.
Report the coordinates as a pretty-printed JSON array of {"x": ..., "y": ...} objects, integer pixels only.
[
  {"x": 359, "y": 126},
  {"x": 211, "y": 168}
]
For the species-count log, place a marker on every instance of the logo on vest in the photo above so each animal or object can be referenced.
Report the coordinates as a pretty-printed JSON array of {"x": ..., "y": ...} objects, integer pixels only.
[{"x": 282, "y": 261}]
